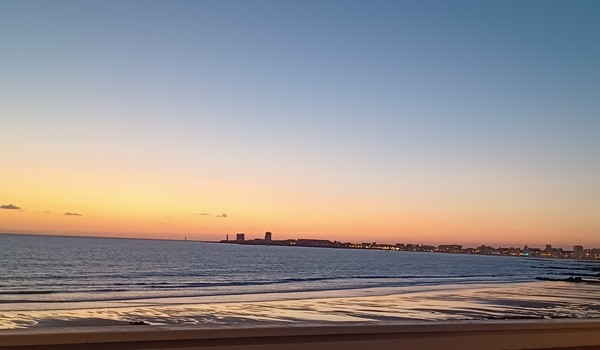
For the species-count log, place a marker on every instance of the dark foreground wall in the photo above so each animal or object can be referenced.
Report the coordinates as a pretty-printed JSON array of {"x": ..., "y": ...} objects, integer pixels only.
[{"x": 492, "y": 335}]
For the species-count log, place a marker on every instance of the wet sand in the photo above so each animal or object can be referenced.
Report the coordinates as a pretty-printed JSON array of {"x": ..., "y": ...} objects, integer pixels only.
[{"x": 535, "y": 300}]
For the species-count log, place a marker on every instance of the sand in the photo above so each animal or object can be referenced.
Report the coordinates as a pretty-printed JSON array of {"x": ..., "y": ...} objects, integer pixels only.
[
  {"x": 535, "y": 300},
  {"x": 537, "y": 315}
]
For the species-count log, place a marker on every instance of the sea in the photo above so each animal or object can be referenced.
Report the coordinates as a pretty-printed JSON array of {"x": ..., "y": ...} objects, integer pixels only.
[{"x": 60, "y": 269}]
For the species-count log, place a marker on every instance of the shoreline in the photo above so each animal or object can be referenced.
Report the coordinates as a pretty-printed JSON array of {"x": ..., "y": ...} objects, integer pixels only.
[
  {"x": 527, "y": 253},
  {"x": 256, "y": 296}
]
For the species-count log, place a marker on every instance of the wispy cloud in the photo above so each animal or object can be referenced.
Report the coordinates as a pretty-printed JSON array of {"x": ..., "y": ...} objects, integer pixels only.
[
  {"x": 196, "y": 214},
  {"x": 10, "y": 207},
  {"x": 72, "y": 214}
]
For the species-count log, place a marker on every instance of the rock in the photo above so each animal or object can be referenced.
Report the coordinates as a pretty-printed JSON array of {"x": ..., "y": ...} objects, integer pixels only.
[{"x": 139, "y": 323}]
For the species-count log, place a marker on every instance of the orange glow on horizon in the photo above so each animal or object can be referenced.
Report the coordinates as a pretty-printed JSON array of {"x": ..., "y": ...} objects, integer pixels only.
[{"x": 168, "y": 205}]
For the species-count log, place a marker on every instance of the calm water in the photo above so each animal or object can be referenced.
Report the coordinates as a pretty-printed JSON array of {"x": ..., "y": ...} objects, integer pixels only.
[{"x": 51, "y": 269}]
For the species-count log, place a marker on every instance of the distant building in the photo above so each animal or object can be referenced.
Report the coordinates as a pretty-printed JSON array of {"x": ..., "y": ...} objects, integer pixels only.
[
  {"x": 486, "y": 250},
  {"x": 549, "y": 251},
  {"x": 267, "y": 236},
  {"x": 240, "y": 237},
  {"x": 314, "y": 243},
  {"x": 470, "y": 251},
  {"x": 578, "y": 252},
  {"x": 592, "y": 253},
  {"x": 450, "y": 248},
  {"x": 411, "y": 247},
  {"x": 535, "y": 252}
]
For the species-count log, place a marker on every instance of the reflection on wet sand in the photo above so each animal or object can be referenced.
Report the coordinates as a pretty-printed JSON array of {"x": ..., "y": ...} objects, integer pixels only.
[{"x": 509, "y": 301}]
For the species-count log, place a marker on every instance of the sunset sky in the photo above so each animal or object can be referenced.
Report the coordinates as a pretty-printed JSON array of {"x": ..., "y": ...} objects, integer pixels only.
[{"x": 471, "y": 122}]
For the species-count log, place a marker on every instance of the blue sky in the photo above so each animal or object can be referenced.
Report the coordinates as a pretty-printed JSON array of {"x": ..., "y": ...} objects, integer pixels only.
[{"x": 369, "y": 101}]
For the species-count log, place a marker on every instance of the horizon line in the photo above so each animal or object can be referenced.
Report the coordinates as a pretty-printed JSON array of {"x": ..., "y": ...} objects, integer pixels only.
[{"x": 233, "y": 241}]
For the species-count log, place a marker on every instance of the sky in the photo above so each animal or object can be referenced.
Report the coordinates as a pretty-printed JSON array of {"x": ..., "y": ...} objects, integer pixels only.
[{"x": 469, "y": 122}]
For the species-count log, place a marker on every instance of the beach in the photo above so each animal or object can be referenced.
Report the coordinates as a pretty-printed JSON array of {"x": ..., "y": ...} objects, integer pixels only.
[
  {"x": 511, "y": 301},
  {"x": 533, "y": 315}
]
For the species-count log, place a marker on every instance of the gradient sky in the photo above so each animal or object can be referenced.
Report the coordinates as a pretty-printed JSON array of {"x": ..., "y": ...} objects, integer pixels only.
[{"x": 396, "y": 121}]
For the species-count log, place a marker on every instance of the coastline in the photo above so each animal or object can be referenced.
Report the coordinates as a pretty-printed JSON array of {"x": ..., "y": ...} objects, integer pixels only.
[{"x": 577, "y": 254}]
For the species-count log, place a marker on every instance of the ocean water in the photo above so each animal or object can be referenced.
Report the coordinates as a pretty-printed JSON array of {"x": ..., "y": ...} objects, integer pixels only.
[{"x": 51, "y": 269}]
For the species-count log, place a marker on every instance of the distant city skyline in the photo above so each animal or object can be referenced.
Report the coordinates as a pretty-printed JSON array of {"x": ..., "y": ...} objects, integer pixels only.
[
  {"x": 549, "y": 251},
  {"x": 423, "y": 121}
]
